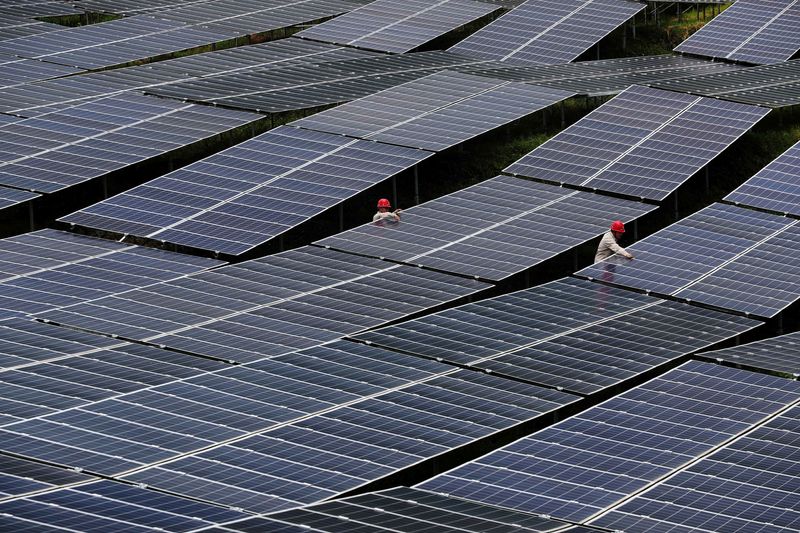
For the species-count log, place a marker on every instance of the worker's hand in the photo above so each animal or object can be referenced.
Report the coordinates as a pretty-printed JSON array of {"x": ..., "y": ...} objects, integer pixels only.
[
  {"x": 629, "y": 256},
  {"x": 398, "y": 211}
]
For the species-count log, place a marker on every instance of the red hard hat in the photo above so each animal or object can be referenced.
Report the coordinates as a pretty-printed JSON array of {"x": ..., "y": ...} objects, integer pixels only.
[
  {"x": 383, "y": 202},
  {"x": 617, "y": 225}
]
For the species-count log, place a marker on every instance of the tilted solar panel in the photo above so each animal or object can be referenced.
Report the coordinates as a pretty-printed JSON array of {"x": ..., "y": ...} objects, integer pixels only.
[
  {"x": 643, "y": 143},
  {"x": 241, "y": 197},
  {"x": 752, "y": 31},
  {"x": 777, "y": 354},
  {"x": 390, "y": 26},
  {"x": 548, "y": 32},
  {"x": 775, "y": 187},
  {"x": 591, "y": 461},
  {"x": 20, "y": 476}
]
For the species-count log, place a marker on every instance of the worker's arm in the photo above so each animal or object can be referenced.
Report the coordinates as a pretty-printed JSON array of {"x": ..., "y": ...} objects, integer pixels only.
[
  {"x": 396, "y": 213},
  {"x": 616, "y": 248}
]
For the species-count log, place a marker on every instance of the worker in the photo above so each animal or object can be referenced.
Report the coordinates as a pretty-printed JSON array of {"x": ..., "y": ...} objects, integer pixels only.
[
  {"x": 384, "y": 214},
  {"x": 609, "y": 243}
]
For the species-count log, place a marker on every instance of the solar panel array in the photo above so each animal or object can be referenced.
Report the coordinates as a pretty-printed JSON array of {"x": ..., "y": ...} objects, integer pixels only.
[
  {"x": 776, "y": 354},
  {"x": 141, "y": 37},
  {"x": 47, "y": 269},
  {"x": 775, "y": 187},
  {"x": 548, "y": 32},
  {"x": 751, "y": 269},
  {"x": 270, "y": 306},
  {"x": 390, "y": 26},
  {"x": 774, "y": 85},
  {"x": 464, "y": 106},
  {"x": 241, "y": 197},
  {"x": 749, "y": 485},
  {"x": 568, "y": 334},
  {"x": 752, "y": 31},
  {"x": 33, "y": 99},
  {"x": 15, "y": 71},
  {"x": 49, "y": 153},
  {"x": 19, "y": 476},
  {"x": 643, "y": 143},
  {"x": 408, "y": 509},
  {"x": 11, "y": 197},
  {"x": 309, "y": 86},
  {"x": 605, "y": 76},
  {"x": 333, "y": 452},
  {"x": 491, "y": 230},
  {"x": 591, "y": 461},
  {"x": 110, "y": 506},
  {"x": 130, "y": 7}
]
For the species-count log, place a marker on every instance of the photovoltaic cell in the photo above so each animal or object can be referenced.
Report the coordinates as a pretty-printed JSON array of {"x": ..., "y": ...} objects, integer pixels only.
[
  {"x": 19, "y": 476},
  {"x": 750, "y": 484},
  {"x": 775, "y": 187},
  {"x": 271, "y": 306},
  {"x": 131, "y": 7},
  {"x": 752, "y": 31},
  {"x": 140, "y": 428},
  {"x": 548, "y": 32},
  {"x": 644, "y": 143},
  {"x": 435, "y": 112},
  {"x": 339, "y": 450},
  {"x": 241, "y": 197},
  {"x": 776, "y": 354},
  {"x": 49, "y": 153},
  {"x": 11, "y": 197},
  {"x": 33, "y": 99},
  {"x": 589, "y": 462},
  {"x": 308, "y": 86},
  {"x": 491, "y": 230},
  {"x": 409, "y": 509},
  {"x": 111, "y": 506},
  {"x": 16, "y": 71},
  {"x": 390, "y": 26},
  {"x": 47, "y": 269},
  {"x": 750, "y": 270}
]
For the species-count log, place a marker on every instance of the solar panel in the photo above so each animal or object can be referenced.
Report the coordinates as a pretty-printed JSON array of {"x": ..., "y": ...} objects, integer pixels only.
[
  {"x": 130, "y": 7},
  {"x": 47, "y": 269},
  {"x": 776, "y": 354},
  {"x": 19, "y": 476},
  {"x": 774, "y": 85},
  {"x": 390, "y": 26},
  {"x": 591, "y": 461},
  {"x": 112, "y": 43},
  {"x": 555, "y": 336},
  {"x": 775, "y": 187},
  {"x": 548, "y": 32},
  {"x": 491, "y": 230},
  {"x": 643, "y": 143},
  {"x": 270, "y": 306},
  {"x": 191, "y": 414},
  {"x": 435, "y": 112},
  {"x": 752, "y": 31},
  {"x": 49, "y": 153},
  {"x": 34, "y": 99},
  {"x": 605, "y": 76},
  {"x": 339, "y": 450},
  {"x": 749, "y": 485},
  {"x": 409, "y": 509},
  {"x": 751, "y": 252},
  {"x": 242, "y": 197},
  {"x": 16, "y": 71},
  {"x": 110, "y": 506},
  {"x": 69, "y": 381},
  {"x": 12, "y": 197},
  {"x": 308, "y": 86}
]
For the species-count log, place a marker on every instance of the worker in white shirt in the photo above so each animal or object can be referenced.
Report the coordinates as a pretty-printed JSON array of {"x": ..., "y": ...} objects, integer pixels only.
[
  {"x": 609, "y": 243},
  {"x": 384, "y": 213}
]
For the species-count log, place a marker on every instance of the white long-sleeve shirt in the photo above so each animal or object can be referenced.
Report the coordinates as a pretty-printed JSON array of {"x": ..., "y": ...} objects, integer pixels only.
[{"x": 608, "y": 246}]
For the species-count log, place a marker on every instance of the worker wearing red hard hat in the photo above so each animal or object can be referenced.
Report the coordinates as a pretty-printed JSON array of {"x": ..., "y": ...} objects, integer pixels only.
[
  {"x": 384, "y": 213},
  {"x": 609, "y": 243}
]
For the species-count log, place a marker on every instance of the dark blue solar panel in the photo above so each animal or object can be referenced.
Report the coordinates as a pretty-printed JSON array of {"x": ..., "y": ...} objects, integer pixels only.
[
  {"x": 752, "y": 484},
  {"x": 390, "y": 26},
  {"x": 644, "y": 142},
  {"x": 246, "y": 195},
  {"x": 11, "y": 197},
  {"x": 778, "y": 354},
  {"x": 19, "y": 476},
  {"x": 142, "y": 427},
  {"x": 753, "y": 31},
  {"x": 591, "y": 461},
  {"x": 775, "y": 187},
  {"x": 548, "y": 32},
  {"x": 492, "y": 230},
  {"x": 341, "y": 449}
]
